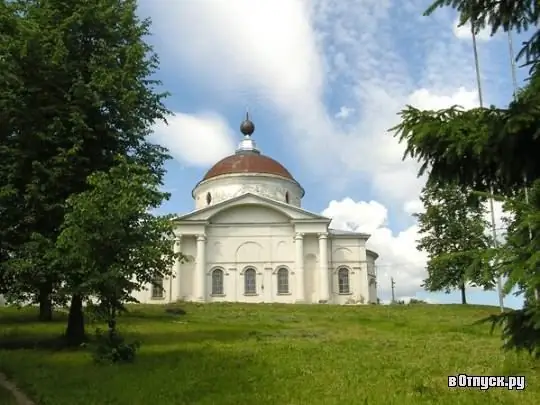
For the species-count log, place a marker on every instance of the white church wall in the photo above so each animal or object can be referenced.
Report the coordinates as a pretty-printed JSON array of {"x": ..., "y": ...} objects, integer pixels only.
[
  {"x": 225, "y": 187},
  {"x": 349, "y": 253},
  {"x": 260, "y": 237},
  {"x": 311, "y": 268},
  {"x": 184, "y": 280},
  {"x": 187, "y": 267},
  {"x": 265, "y": 248},
  {"x": 249, "y": 214}
]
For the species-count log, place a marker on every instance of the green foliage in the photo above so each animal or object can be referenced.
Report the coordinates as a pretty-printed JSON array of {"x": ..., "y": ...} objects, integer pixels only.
[
  {"x": 519, "y": 256},
  {"x": 453, "y": 233},
  {"x": 518, "y": 15},
  {"x": 412, "y": 301},
  {"x": 520, "y": 329},
  {"x": 77, "y": 91},
  {"x": 111, "y": 347},
  {"x": 475, "y": 148},
  {"x": 415, "y": 301},
  {"x": 111, "y": 238},
  {"x": 494, "y": 148},
  {"x": 478, "y": 148}
]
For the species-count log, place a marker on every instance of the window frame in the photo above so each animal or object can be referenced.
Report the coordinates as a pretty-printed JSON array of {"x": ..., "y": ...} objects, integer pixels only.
[
  {"x": 250, "y": 272},
  {"x": 279, "y": 273},
  {"x": 344, "y": 288},
  {"x": 158, "y": 285},
  {"x": 220, "y": 290}
]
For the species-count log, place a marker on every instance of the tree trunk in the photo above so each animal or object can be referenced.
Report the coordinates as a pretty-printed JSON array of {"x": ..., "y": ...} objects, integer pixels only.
[
  {"x": 463, "y": 296},
  {"x": 75, "y": 333},
  {"x": 45, "y": 303}
]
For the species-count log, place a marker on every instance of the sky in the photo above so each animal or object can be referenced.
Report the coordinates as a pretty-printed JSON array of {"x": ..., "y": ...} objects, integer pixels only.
[{"x": 324, "y": 81}]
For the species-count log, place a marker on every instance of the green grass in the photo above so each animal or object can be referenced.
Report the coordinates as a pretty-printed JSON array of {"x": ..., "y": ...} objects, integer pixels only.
[{"x": 232, "y": 354}]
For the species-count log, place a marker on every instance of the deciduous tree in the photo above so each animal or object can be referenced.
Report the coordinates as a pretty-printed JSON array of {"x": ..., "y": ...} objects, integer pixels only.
[
  {"x": 113, "y": 240},
  {"x": 453, "y": 232},
  {"x": 77, "y": 90}
]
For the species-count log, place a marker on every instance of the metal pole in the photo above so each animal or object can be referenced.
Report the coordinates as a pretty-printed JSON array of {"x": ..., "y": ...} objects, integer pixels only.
[
  {"x": 491, "y": 204},
  {"x": 515, "y": 88},
  {"x": 512, "y": 64}
]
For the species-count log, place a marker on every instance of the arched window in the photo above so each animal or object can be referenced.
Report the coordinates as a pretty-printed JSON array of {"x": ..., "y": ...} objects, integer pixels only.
[
  {"x": 283, "y": 281},
  {"x": 208, "y": 198},
  {"x": 343, "y": 281},
  {"x": 250, "y": 286},
  {"x": 157, "y": 288},
  {"x": 217, "y": 282},
  {"x": 287, "y": 197}
]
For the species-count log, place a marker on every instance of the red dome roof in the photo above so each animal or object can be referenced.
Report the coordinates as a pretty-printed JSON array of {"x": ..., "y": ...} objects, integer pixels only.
[{"x": 247, "y": 163}]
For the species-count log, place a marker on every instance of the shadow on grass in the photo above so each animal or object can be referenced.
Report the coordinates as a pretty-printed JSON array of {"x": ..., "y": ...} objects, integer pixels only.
[
  {"x": 49, "y": 342},
  {"x": 45, "y": 343},
  {"x": 27, "y": 316},
  {"x": 167, "y": 374},
  {"x": 162, "y": 314}
]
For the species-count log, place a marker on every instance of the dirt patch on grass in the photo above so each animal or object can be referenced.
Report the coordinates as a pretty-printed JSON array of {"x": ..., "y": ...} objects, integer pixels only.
[{"x": 20, "y": 397}]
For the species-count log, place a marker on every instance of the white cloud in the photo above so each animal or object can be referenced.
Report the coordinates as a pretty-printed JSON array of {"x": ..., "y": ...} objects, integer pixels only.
[
  {"x": 286, "y": 55},
  {"x": 356, "y": 216},
  {"x": 424, "y": 99},
  {"x": 398, "y": 256},
  {"x": 464, "y": 32},
  {"x": 197, "y": 140},
  {"x": 413, "y": 207},
  {"x": 344, "y": 112},
  {"x": 260, "y": 48}
]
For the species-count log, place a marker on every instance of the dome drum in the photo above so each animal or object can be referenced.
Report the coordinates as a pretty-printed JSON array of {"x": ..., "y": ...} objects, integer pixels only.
[
  {"x": 247, "y": 171},
  {"x": 224, "y": 187}
]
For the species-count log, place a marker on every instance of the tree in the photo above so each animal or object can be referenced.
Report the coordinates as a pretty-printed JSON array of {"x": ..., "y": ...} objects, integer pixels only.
[
  {"x": 453, "y": 235},
  {"x": 494, "y": 149},
  {"x": 114, "y": 242},
  {"x": 478, "y": 147},
  {"x": 77, "y": 90}
]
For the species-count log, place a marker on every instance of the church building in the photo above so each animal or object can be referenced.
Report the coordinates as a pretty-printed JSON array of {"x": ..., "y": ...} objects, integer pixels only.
[{"x": 250, "y": 240}]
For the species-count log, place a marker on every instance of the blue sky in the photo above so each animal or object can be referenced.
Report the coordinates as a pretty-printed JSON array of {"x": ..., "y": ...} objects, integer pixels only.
[{"x": 323, "y": 81}]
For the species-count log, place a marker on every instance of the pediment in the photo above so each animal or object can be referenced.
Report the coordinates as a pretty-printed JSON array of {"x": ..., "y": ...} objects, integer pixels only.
[{"x": 289, "y": 212}]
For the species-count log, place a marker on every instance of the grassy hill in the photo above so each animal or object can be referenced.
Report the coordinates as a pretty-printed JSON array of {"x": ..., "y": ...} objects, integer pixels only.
[{"x": 233, "y": 354}]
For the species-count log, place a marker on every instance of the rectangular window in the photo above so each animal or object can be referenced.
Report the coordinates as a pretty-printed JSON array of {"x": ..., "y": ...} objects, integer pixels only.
[
  {"x": 250, "y": 286},
  {"x": 343, "y": 281},
  {"x": 157, "y": 288},
  {"x": 283, "y": 281},
  {"x": 217, "y": 282}
]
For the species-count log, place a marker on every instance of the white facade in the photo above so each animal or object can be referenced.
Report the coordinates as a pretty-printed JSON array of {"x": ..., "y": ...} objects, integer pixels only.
[
  {"x": 251, "y": 248},
  {"x": 249, "y": 240}
]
